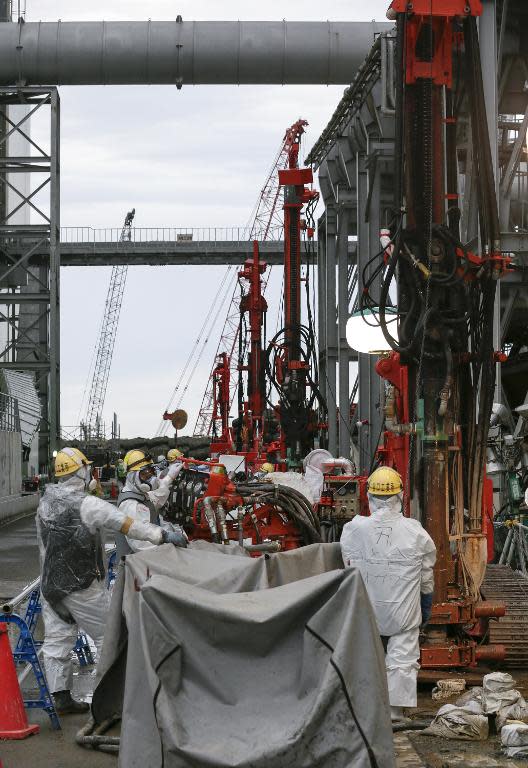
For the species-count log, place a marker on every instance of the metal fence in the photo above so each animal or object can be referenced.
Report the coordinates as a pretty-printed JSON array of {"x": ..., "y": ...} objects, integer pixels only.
[
  {"x": 71, "y": 433},
  {"x": 164, "y": 235},
  {"x": 80, "y": 433},
  {"x": 9, "y": 415}
]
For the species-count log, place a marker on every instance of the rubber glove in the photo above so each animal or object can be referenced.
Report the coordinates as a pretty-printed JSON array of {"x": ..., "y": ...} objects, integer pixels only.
[
  {"x": 178, "y": 538},
  {"x": 174, "y": 470},
  {"x": 426, "y": 604}
]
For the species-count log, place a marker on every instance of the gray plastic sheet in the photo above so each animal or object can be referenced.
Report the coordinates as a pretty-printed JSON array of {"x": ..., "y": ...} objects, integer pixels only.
[{"x": 230, "y": 661}]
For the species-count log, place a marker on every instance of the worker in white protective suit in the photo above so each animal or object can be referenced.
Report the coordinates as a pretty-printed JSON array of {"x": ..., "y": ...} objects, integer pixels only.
[
  {"x": 72, "y": 584},
  {"x": 396, "y": 557},
  {"x": 174, "y": 456},
  {"x": 142, "y": 497}
]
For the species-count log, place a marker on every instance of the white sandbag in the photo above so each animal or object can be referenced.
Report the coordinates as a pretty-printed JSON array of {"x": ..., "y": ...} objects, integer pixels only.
[
  {"x": 498, "y": 681},
  {"x": 514, "y": 739},
  {"x": 497, "y": 692},
  {"x": 473, "y": 706},
  {"x": 453, "y": 722},
  {"x": 516, "y": 711},
  {"x": 472, "y": 694}
]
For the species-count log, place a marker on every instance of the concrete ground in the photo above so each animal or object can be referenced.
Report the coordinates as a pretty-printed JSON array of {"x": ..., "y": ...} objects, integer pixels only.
[
  {"x": 18, "y": 556},
  {"x": 53, "y": 749},
  {"x": 57, "y": 749}
]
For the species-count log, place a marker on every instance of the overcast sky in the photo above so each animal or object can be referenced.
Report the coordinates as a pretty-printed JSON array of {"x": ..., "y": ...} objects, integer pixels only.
[{"x": 189, "y": 158}]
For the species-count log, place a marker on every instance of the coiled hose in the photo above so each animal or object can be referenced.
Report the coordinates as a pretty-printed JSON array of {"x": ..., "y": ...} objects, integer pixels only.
[{"x": 290, "y": 501}]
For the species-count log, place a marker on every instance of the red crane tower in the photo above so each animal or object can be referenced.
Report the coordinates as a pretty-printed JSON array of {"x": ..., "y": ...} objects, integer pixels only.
[{"x": 266, "y": 218}]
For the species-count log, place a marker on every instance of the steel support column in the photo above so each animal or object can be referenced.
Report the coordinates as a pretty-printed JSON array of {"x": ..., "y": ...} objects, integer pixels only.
[
  {"x": 330, "y": 304},
  {"x": 488, "y": 57},
  {"x": 32, "y": 338},
  {"x": 342, "y": 317},
  {"x": 321, "y": 307},
  {"x": 54, "y": 278},
  {"x": 368, "y": 245}
]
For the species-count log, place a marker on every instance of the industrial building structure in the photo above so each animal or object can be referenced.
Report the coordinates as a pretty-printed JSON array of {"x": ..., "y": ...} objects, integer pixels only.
[
  {"x": 353, "y": 157},
  {"x": 478, "y": 211}
]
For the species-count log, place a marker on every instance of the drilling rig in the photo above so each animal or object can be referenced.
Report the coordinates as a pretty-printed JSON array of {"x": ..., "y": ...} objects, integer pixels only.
[
  {"x": 207, "y": 501},
  {"x": 282, "y": 432},
  {"x": 440, "y": 374},
  {"x": 266, "y": 219}
]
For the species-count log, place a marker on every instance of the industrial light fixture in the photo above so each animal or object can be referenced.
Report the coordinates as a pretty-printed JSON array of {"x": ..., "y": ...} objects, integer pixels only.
[{"x": 365, "y": 336}]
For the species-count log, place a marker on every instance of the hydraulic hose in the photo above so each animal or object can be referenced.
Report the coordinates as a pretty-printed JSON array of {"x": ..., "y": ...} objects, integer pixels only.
[
  {"x": 92, "y": 736},
  {"x": 301, "y": 501},
  {"x": 413, "y": 725},
  {"x": 448, "y": 383},
  {"x": 290, "y": 501}
]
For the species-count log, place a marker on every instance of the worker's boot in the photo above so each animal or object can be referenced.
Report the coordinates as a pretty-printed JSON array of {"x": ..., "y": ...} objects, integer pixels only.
[
  {"x": 65, "y": 704},
  {"x": 398, "y": 716},
  {"x": 396, "y": 713}
]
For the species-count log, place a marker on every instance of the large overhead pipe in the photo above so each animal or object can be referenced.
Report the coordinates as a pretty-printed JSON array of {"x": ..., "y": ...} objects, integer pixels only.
[{"x": 183, "y": 53}]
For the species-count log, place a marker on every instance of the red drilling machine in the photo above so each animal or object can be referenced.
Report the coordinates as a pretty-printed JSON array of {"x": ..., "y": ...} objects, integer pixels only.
[
  {"x": 440, "y": 374},
  {"x": 224, "y": 499}
]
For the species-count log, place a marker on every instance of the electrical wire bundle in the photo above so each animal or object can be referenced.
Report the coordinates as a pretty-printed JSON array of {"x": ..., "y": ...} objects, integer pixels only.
[
  {"x": 416, "y": 271},
  {"x": 445, "y": 297}
]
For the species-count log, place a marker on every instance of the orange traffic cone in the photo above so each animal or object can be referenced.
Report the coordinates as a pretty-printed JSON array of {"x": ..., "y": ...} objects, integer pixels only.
[{"x": 13, "y": 720}]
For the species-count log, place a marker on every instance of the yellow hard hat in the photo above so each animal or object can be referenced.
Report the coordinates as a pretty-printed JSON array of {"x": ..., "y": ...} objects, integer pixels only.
[
  {"x": 136, "y": 460},
  {"x": 84, "y": 459},
  {"x": 385, "y": 481},
  {"x": 174, "y": 454},
  {"x": 267, "y": 467},
  {"x": 68, "y": 461}
]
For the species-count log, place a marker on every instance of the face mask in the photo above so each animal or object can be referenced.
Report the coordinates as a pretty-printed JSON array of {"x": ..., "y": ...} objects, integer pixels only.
[
  {"x": 85, "y": 474},
  {"x": 385, "y": 503},
  {"x": 145, "y": 486}
]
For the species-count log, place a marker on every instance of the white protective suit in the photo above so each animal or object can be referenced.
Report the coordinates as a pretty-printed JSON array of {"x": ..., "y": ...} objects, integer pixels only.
[
  {"x": 140, "y": 512},
  {"x": 78, "y": 593},
  {"x": 396, "y": 557}
]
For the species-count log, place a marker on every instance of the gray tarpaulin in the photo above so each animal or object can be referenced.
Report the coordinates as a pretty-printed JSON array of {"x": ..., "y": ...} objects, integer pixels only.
[{"x": 235, "y": 662}]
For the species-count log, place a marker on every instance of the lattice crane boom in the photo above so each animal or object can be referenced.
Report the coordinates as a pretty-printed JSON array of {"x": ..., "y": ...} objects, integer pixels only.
[
  {"x": 266, "y": 219},
  {"x": 93, "y": 427}
]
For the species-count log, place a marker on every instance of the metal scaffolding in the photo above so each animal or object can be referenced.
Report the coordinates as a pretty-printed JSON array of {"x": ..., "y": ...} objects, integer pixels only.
[
  {"x": 354, "y": 156},
  {"x": 29, "y": 251}
]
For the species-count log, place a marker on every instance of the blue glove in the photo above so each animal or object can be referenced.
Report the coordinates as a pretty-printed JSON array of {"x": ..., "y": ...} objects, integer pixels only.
[
  {"x": 426, "y": 604},
  {"x": 178, "y": 538}
]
